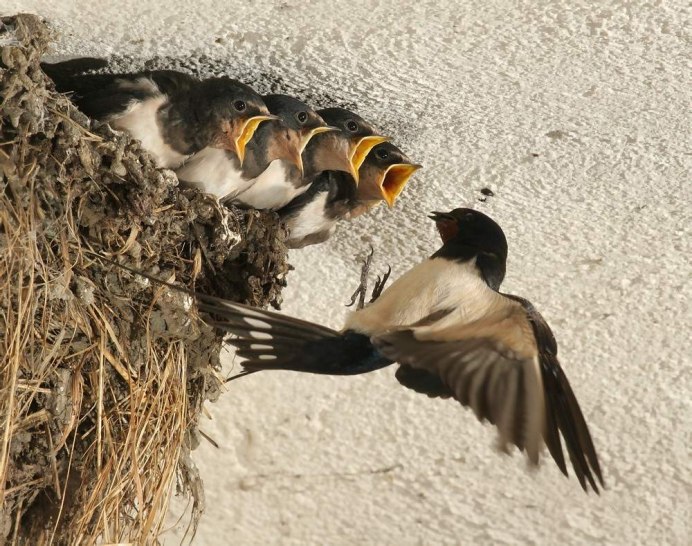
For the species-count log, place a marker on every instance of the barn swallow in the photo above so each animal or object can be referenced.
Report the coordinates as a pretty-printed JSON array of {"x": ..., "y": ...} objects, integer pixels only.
[
  {"x": 454, "y": 335},
  {"x": 311, "y": 218},
  {"x": 362, "y": 135},
  {"x": 174, "y": 115},
  {"x": 392, "y": 171},
  {"x": 274, "y": 159}
]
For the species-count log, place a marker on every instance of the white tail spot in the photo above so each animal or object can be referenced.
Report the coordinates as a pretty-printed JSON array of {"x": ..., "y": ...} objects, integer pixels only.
[
  {"x": 267, "y": 357},
  {"x": 260, "y": 347},
  {"x": 256, "y": 323},
  {"x": 245, "y": 312},
  {"x": 260, "y": 335}
]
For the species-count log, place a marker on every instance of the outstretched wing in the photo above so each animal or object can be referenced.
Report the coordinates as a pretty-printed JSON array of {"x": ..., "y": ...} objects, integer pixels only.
[{"x": 495, "y": 366}]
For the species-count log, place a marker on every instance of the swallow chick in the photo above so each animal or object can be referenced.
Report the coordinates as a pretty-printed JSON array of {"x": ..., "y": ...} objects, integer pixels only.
[
  {"x": 174, "y": 115},
  {"x": 312, "y": 217},
  {"x": 454, "y": 335},
  {"x": 384, "y": 174},
  {"x": 361, "y": 137},
  {"x": 274, "y": 161}
]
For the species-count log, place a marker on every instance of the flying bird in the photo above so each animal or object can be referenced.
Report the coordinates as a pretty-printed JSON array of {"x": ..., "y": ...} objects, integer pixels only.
[
  {"x": 174, "y": 115},
  {"x": 454, "y": 335},
  {"x": 334, "y": 195}
]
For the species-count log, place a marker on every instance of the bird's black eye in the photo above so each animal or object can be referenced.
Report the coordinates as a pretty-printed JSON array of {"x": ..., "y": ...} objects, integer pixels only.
[
  {"x": 352, "y": 126},
  {"x": 302, "y": 117},
  {"x": 239, "y": 105},
  {"x": 382, "y": 153}
]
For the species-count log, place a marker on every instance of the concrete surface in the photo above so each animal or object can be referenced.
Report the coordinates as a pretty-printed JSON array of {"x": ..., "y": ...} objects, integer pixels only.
[{"x": 577, "y": 115}]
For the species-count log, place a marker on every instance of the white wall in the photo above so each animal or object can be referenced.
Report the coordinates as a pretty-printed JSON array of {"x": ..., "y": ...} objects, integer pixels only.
[{"x": 577, "y": 115}]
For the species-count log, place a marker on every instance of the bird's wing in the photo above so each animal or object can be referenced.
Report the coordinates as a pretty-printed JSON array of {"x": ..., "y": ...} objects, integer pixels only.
[
  {"x": 73, "y": 67},
  {"x": 494, "y": 366},
  {"x": 563, "y": 414},
  {"x": 272, "y": 341},
  {"x": 103, "y": 95},
  {"x": 172, "y": 82}
]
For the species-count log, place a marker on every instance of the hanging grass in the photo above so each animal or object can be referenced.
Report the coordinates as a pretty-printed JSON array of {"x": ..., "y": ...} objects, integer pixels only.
[{"x": 102, "y": 375}]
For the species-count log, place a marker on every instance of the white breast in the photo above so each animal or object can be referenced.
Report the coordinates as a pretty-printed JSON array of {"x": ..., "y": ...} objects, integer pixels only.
[
  {"x": 215, "y": 171},
  {"x": 311, "y": 219},
  {"x": 433, "y": 285},
  {"x": 140, "y": 120},
  {"x": 272, "y": 189}
]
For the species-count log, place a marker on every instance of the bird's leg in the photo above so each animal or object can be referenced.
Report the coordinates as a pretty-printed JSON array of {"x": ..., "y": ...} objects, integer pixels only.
[
  {"x": 362, "y": 289},
  {"x": 379, "y": 284}
]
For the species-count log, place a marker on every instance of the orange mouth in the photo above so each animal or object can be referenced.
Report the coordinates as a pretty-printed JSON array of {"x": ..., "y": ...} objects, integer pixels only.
[
  {"x": 316, "y": 131},
  {"x": 361, "y": 150},
  {"x": 393, "y": 180},
  {"x": 246, "y": 132}
]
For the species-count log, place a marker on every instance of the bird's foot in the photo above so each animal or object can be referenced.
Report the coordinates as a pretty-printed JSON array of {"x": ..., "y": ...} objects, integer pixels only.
[
  {"x": 362, "y": 289},
  {"x": 379, "y": 284}
]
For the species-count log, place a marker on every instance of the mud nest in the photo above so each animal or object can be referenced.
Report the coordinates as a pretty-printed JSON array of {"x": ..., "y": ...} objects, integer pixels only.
[{"x": 102, "y": 375}]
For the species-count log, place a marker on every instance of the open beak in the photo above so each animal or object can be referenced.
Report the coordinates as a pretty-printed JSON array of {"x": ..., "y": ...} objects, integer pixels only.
[
  {"x": 243, "y": 134},
  {"x": 296, "y": 154},
  {"x": 361, "y": 150},
  {"x": 307, "y": 136},
  {"x": 447, "y": 226},
  {"x": 393, "y": 180},
  {"x": 440, "y": 216}
]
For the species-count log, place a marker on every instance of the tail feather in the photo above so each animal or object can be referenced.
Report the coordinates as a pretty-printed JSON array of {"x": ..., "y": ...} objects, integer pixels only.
[
  {"x": 250, "y": 319},
  {"x": 269, "y": 340},
  {"x": 73, "y": 76},
  {"x": 73, "y": 67}
]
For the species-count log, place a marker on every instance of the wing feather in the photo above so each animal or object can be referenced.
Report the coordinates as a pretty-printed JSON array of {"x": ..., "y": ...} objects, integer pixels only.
[{"x": 504, "y": 367}]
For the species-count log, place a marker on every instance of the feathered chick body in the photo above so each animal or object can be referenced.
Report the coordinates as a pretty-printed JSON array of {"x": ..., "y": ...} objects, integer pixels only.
[
  {"x": 335, "y": 195},
  {"x": 174, "y": 115}
]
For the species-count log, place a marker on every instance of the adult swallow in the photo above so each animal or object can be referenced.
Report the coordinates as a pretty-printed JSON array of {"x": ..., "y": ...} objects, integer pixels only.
[
  {"x": 334, "y": 195},
  {"x": 454, "y": 335},
  {"x": 174, "y": 115},
  {"x": 274, "y": 156}
]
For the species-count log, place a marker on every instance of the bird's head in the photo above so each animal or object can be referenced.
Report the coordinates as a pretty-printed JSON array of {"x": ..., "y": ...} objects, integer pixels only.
[
  {"x": 467, "y": 234},
  {"x": 345, "y": 149},
  {"x": 287, "y": 136},
  {"x": 383, "y": 174},
  {"x": 228, "y": 113}
]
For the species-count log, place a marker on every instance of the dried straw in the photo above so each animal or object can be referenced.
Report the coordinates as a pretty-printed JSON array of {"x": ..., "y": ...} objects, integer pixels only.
[{"x": 103, "y": 376}]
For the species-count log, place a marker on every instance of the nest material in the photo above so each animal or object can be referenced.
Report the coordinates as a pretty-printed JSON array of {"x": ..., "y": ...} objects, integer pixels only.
[{"x": 102, "y": 375}]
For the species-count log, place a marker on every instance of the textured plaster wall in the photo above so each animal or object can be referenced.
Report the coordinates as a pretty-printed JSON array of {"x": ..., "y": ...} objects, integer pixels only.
[{"x": 577, "y": 115}]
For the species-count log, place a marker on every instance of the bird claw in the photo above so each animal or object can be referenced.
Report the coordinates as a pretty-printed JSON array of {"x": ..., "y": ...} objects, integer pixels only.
[
  {"x": 379, "y": 284},
  {"x": 362, "y": 290}
]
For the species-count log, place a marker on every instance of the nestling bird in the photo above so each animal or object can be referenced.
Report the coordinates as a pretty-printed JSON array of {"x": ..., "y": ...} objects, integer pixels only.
[
  {"x": 311, "y": 218},
  {"x": 276, "y": 152},
  {"x": 392, "y": 171},
  {"x": 174, "y": 115},
  {"x": 453, "y": 334},
  {"x": 362, "y": 135}
]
